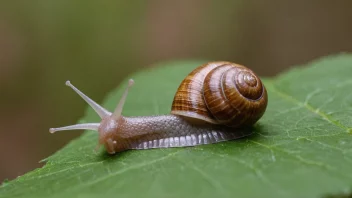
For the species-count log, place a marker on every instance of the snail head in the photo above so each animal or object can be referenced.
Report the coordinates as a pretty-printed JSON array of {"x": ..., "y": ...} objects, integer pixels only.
[{"x": 109, "y": 121}]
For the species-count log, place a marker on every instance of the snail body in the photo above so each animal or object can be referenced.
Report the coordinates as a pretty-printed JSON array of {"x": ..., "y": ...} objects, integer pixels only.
[{"x": 216, "y": 102}]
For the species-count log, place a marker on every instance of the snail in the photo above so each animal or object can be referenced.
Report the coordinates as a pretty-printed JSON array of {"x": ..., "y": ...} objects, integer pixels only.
[{"x": 216, "y": 102}]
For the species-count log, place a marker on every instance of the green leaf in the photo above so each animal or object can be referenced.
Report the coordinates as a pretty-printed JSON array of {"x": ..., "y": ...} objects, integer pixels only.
[{"x": 302, "y": 146}]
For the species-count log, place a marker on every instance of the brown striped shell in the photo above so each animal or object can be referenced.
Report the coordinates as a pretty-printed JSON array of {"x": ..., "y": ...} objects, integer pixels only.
[{"x": 221, "y": 93}]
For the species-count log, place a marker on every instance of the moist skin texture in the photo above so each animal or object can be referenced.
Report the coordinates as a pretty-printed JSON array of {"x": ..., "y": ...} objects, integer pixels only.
[{"x": 168, "y": 131}]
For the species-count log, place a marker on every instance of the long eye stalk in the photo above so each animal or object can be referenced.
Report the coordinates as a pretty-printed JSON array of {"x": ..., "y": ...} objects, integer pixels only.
[
  {"x": 103, "y": 113},
  {"x": 118, "y": 110},
  {"x": 97, "y": 108}
]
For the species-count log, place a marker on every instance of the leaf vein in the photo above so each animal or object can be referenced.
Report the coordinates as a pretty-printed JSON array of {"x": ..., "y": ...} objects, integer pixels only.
[
  {"x": 129, "y": 168},
  {"x": 309, "y": 107}
]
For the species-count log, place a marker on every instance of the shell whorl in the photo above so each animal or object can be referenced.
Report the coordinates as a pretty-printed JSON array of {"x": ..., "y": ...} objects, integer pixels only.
[{"x": 221, "y": 93}]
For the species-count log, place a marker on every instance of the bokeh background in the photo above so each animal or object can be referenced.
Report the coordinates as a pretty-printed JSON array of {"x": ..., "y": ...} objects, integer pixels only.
[{"x": 97, "y": 43}]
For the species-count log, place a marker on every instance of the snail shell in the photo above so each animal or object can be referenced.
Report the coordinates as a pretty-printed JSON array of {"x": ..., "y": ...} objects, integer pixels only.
[{"x": 221, "y": 93}]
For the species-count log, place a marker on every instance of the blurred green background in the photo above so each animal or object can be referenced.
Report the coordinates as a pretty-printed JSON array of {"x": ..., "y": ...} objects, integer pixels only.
[{"x": 96, "y": 44}]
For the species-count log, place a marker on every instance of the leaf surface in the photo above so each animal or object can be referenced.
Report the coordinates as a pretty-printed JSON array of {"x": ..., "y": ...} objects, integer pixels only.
[{"x": 302, "y": 146}]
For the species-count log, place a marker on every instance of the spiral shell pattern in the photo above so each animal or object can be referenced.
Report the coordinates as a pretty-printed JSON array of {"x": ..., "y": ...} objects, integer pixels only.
[{"x": 221, "y": 93}]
